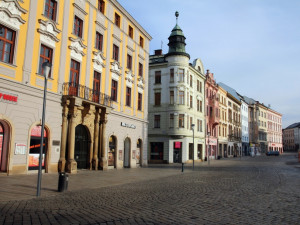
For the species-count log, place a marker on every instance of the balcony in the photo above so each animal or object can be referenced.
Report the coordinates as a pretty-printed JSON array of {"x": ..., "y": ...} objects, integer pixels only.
[{"x": 83, "y": 92}]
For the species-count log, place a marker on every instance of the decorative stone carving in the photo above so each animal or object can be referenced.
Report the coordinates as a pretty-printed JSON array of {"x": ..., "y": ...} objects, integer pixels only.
[
  {"x": 98, "y": 61},
  {"x": 77, "y": 48},
  {"x": 10, "y": 13},
  {"x": 116, "y": 70},
  {"x": 48, "y": 32},
  {"x": 129, "y": 78},
  {"x": 141, "y": 84}
]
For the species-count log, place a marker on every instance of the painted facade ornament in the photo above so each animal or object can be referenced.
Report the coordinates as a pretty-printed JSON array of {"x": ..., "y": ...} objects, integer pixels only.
[
  {"x": 116, "y": 70},
  {"x": 141, "y": 84},
  {"x": 77, "y": 48},
  {"x": 10, "y": 13},
  {"x": 49, "y": 32},
  {"x": 129, "y": 76},
  {"x": 98, "y": 61}
]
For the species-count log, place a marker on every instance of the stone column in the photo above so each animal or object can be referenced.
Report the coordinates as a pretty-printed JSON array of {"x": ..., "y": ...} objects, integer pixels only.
[
  {"x": 104, "y": 162},
  {"x": 72, "y": 164},
  {"x": 96, "y": 139},
  {"x": 62, "y": 159}
]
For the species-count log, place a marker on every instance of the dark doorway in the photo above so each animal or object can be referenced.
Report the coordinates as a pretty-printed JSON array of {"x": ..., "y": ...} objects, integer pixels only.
[
  {"x": 127, "y": 153},
  {"x": 191, "y": 147},
  {"x": 82, "y": 147},
  {"x": 112, "y": 151},
  {"x": 177, "y": 157},
  {"x": 2, "y": 153}
]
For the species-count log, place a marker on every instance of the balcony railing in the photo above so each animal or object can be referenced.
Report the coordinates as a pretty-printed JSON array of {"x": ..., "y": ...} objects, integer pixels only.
[{"x": 80, "y": 91}]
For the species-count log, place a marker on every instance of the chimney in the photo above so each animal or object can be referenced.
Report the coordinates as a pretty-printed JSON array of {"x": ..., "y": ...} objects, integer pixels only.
[{"x": 158, "y": 52}]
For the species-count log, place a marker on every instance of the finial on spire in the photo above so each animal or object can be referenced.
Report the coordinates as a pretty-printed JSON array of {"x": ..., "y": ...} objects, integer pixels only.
[{"x": 176, "y": 14}]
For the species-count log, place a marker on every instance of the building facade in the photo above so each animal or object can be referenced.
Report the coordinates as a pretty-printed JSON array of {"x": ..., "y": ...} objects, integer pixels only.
[
  {"x": 262, "y": 127},
  {"x": 212, "y": 116},
  {"x": 223, "y": 128},
  {"x": 96, "y": 115},
  {"x": 274, "y": 131},
  {"x": 245, "y": 126},
  {"x": 291, "y": 137},
  {"x": 176, "y": 104}
]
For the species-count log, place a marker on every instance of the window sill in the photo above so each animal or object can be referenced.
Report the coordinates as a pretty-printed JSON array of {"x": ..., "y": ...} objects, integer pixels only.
[
  {"x": 8, "y": 64},
  {"x": 54, "y": 21},
  {"x": 41, "y": 75}
]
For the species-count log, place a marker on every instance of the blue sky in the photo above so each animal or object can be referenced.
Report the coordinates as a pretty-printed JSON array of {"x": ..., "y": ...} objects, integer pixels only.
[{"x": 252, "y": 46}]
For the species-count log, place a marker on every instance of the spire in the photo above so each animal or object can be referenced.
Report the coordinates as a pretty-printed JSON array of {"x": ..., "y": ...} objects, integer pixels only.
[{"x": 177, "y": 40}]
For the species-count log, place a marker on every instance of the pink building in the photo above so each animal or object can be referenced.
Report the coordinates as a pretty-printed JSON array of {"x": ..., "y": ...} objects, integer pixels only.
[
  {"x": 212, "y": 115},
  {"x": 274, "y": 131}
]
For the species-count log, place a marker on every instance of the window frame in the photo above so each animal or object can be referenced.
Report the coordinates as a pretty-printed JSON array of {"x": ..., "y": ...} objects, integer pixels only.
[
  {"x": 130, "y": 31},
  {"x": 115, "y": 52},
  {"x": 54, "y": 10},
  {"x": 172, "y": 102},
  {"x": 99, "y": 41},
  {"x": 141, "y": 69},
  {"x": 141, "y": 41},
  {"x": 181, "y": 121},
  {"x": 156, "y": 121},
  {"x": 157, "y": 98},
  {"x": 78, "y": 28},
  {"x": 10, "y": 42},
  {"x": 181, "y": 98},
  {"x": 128, "y": 96},
  {"x": 140, "y": 100},
  {"x": 172, "y": 75},
  {"x": 101, "y": 6},
  {"x": 129, "y": 62},
  {"x": 158, "y": 77},
  {"x": 43, "y": 59},
  {"x": 117, "y": 20},
  {"x": 114, "y": 90}
]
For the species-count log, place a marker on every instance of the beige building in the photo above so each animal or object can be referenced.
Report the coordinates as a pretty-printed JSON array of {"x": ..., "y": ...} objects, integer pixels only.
[
  {"x": 223, "y": 128},
  {"x": 262, "y": 127}
]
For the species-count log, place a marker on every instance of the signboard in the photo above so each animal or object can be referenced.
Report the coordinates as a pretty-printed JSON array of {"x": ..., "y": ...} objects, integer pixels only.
[
  {"x": 6, "y": 97},
  {"x": 34, "y": 160},
  {"x": 177, "y": 144},
  {"x": 128, "y": 125},
  {"x": 20, "y": 149}
]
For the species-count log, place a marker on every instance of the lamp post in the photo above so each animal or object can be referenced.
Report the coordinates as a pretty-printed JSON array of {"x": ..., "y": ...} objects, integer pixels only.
[
  {"x": 46, "y": 69},
  {"x": 208, "y": 134},
  {"x": 193, "y": 127}
]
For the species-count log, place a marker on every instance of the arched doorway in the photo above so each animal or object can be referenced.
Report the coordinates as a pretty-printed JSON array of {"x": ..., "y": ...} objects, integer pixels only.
[
  {"x": 127, "y": 148},
  {"x": 138, "y": 152},
  {"x": 3, "y": 153},
  {"x": 112, "y": 151},
  {"x": 35, "y": 146},
  {"x": 82, "y": 147}
]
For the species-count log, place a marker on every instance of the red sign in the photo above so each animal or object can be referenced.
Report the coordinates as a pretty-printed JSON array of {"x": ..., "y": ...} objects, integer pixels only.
[
  {"x": 177, "y": 144},
  {"x": 36, "y": 131},
  {"x": 7, "y": 97}
]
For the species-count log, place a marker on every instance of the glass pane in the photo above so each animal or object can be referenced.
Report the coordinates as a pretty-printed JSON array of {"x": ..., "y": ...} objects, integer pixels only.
[
  {"x": 6, "y": 57},
  {"x": 9, "y": 35},
  {"x": 2, "y": 32},
  {"x": 7, "y": 48}
]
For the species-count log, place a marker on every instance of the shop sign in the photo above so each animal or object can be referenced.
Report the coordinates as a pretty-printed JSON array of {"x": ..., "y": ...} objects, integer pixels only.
[
  {"x": 6, "y": 97},
  {"x": 128, "y": 125},
  {"x": 20, "y": 149},
  {"x": 177, "y": 144}
]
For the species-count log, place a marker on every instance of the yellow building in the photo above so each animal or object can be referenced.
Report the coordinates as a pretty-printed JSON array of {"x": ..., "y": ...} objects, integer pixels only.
[
  {"x": 222, "y": 137},
  {"x": 96, "y": 114},
  {"x": 262, "y": 127}
]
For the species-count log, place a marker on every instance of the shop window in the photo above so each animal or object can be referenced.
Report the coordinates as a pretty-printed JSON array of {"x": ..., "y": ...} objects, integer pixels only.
[
  {"x": 45, "y": 56},
  {"x": 128, "y": 96},
  {"x": 99, "y": 41},
  {"x": 114, "y": 90},
  {"x": 117, "y": 19},
  {"x": 157, "y": 150},
  {"x": 140, "y": 99},
  {"x": 112, "y": 150},
  {"x": 34, "y": 149},
  {"x": 50, "y": 9},
  {"x": 130, "y": 31},
  {"x": 78, "y": 25},
  {"x": 7, "y": 44},
  {"x": 101, "y": 6},
  {"x": 115, "y": 52}
]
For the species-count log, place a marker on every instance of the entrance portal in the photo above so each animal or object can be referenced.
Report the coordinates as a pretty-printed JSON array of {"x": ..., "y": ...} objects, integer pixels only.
[
  {"x": 127, "y": 153},
  {"x": 138, "y": 151},
  {"x": 81, "y": 147},
  {"x": 112, "y": 151},
  {"x": 2, "y": 152}
]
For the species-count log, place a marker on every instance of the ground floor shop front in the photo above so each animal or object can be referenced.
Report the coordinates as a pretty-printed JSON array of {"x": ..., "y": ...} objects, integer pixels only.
[{"x": 175, "y": 150}]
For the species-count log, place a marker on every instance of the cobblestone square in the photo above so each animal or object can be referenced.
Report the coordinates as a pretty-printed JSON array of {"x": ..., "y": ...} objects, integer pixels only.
[{"x": 259, "y": 190}]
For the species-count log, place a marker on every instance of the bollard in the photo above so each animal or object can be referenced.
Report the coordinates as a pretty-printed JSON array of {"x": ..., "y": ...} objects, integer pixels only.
[{"x": 182, "y": 168}]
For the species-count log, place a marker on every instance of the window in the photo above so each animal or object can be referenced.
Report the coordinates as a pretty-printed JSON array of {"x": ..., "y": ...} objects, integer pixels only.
[
  {"x": 129, "y": 62},
  {"x": 201, "y": 130},
  {"x": 50, "y": 9},
  {"x": 117, "y": 19},
  {"x": 78, "y": 23},
  {"x": 198, "y": 125},
  {"x": 171, "y": 120},
  {"x": 114, "y": 90},
  {"x": 171, "y": 75},
  {"x": 198, "y": 85},
  {"x": 99, "y": 41},
  {"x": 101, "y": 6},
  {"x": 172, "y": 97},
  {"x": 140, "y": 69},
  {"x": 181, "y": 97},
  {"x": 181, "y": 121},
  {"x": 156, "y": 121},
  {"x": 191, "y": 101},
  {"x": 96, "y": 86},
  {"x": 7, "y": 44},
  {"x": 128, "y": 96},
  {"x": 116, "y": 52},
  {"x": 141, "y": 41},
  {"x": 198, "y": 105},
  {"x": 157, "y": 77},
  {"x": 191, "y": 122},
  {"x": 181, "y": 75},
  {"x": 191, "y": 81},
  {"x": 140, "y": 99},
  {"x": 157, "y": 98},
  {"x": 45, "y": 56},
  {"x": 74, "y": 77},
  {"x": 130, "y": 31}
]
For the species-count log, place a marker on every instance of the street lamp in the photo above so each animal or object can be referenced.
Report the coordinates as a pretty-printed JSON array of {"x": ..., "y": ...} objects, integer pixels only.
[
  {"x": 193, "y": 126},
  {"x": 208, "y": 134},
  {"x": 46, "y": 69}
]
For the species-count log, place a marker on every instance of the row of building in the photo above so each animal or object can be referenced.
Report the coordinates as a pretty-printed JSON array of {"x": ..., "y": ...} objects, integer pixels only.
[
  {"x": 106, "y": 96},
  {"x": 291, "y": 137}
]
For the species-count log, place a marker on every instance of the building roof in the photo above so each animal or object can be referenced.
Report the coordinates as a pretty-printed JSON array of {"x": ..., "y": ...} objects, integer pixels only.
[
  {"x": 230, "y": 90},
  {"x": 294, "y": 125}
]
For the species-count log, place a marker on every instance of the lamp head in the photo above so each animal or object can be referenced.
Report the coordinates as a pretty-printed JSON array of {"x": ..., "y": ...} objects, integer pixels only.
[
  {"x": 193, "y": 126},
  {"x": 46, "y": 68},
  {"x": 208, "y": 133}
]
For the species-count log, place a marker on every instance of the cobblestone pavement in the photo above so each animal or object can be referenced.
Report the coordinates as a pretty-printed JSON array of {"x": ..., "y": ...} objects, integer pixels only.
[{"x": 260, "y": 190}]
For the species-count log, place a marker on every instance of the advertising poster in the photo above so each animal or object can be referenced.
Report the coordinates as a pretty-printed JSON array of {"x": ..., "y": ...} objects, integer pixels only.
[{"x": 34, "y": 160}]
